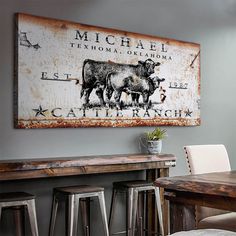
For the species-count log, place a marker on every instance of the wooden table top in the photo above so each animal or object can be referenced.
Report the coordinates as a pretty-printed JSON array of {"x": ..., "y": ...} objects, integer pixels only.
[
  {"x": 64, "y": 166},
  {"x": 218, "y": 183}
]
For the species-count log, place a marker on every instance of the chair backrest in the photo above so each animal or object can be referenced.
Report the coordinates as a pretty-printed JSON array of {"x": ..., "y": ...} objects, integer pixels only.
[{"x": 207, "y": 158}]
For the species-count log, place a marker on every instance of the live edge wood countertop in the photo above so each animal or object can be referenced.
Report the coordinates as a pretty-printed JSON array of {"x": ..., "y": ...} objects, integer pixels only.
[{"x": 80, "y": 165}]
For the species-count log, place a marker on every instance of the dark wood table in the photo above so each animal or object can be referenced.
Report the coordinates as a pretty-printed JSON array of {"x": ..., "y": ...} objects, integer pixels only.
[
  {"x": 216, "y": 190},
  {"x": 155, "y": 166}
]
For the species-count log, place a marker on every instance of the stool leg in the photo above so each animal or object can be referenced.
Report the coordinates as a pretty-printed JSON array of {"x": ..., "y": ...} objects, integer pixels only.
[
  {"x": 73, "y": 211},
  {"x": 85, "y": 215},
  {"x": 103, "y": 211},
  {"x": 159, "y": 210},
  {"x": 112, "y": 209},
  {"x": 0, "y": 212},
  {"x": 140, "y": 214},
  {"x": 19, "y": 217},
  {"x": 134, "y": 211},
  {"x": 53, "y": 215},
  {"x": 32, "y": 217},
  {"x": 130, "y": 194}
]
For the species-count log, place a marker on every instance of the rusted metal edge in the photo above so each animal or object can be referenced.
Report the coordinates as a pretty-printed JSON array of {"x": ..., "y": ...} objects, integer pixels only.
[{"x": 105, "y": 123}]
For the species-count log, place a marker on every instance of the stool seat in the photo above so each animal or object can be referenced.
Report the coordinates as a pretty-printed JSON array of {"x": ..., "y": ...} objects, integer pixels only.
[
  {"x": 72, "y": 195},
  {"x": 78, "y": 189},
  {"x": 132, "y": 184},
  {"x": 133, "y": 189},
  {"x": 15, "y": 196},
  {"x": 18, "y": 202}
]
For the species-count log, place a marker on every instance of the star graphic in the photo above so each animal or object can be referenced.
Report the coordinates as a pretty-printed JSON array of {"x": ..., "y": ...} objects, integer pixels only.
[
  {"x": 39, "y": 111},
  {"x": 188, "y": 113}
]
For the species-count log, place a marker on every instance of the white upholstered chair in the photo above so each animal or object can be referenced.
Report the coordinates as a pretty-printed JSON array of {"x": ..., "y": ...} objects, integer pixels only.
[
  {"x": 205, "y": 159},
  {"x": 205, "y": 232}
]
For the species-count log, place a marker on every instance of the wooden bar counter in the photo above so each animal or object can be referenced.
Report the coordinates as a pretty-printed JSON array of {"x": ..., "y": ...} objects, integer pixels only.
[
  {"x": 81, "y": 165},
  {"x": 155, "y": 166}
]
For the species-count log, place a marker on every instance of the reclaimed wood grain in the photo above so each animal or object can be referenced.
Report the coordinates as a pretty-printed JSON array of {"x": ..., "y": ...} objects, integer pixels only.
[
  {"x": 206, "y": 200},
  {"x": 217, "y": 183},
  {"x": 183, "y": 217},
  {"x": 80, "y": 165},
  {"x": 215, "y": 190}
]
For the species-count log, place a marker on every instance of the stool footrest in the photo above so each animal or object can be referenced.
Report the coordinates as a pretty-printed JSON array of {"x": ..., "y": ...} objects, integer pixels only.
[{"x": 120, "y": 232}]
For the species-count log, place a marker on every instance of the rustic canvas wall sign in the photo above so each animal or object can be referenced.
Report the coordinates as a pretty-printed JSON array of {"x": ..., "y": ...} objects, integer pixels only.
[{"x": 74, "y": 75}]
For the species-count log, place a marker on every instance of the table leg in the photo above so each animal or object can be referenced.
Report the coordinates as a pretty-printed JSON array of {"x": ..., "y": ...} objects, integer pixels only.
[
  {"x": 151, "y": 223},
  {"x": 182, "y": 217},
  {"x": 165, "y": 203},
  {"x": 152, "y": 219}
]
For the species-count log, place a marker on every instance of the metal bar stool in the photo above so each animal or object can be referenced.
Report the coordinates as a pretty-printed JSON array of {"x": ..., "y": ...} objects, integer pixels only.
[
  {"x": 133, "y": 190},
  {"x": 72, "y": 196},
  {"x": 18, "y": 201}
]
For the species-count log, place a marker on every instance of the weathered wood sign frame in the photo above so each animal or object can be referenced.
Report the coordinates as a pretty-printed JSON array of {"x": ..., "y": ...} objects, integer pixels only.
[{"x": 75, "y": 75}]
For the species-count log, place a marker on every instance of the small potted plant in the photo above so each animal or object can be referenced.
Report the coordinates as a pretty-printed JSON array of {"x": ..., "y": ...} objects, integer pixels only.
[{"x": 154, "y": 140}]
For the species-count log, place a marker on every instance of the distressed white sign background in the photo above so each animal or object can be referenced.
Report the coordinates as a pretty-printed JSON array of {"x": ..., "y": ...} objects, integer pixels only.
[{"x": 73, "y": 75}]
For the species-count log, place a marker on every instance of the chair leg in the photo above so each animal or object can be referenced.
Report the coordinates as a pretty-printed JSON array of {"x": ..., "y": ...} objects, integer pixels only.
[
  {"x": 134, "y": 211},
  {"x": 103, "y": 212},
  {"x": 73, "y": 211},
  {"x": 32, "y": 217},
  {"x": 112, "y": 209},
  {"x": 53, "y": 215},
  {"x": 19, "y": 217},
  {"x": 0, "y": 212},
  {"x": 159, "y": 210}
]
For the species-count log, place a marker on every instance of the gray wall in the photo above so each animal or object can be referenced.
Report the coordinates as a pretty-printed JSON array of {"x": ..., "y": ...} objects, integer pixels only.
[{"x": 208, "y": 22}]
